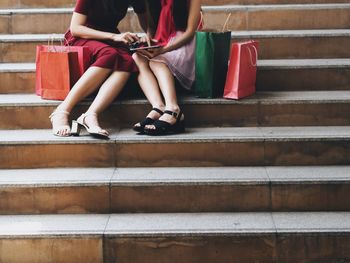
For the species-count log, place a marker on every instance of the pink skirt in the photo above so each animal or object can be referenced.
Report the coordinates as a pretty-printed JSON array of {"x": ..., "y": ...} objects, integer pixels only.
[{"x": 181, "y": 62}]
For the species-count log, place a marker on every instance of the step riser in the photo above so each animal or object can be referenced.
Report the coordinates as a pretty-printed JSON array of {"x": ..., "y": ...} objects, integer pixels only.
[
  {"x": 175, "y": 198},
  {"x": 266, "y": 248},
  {"x": 17, "y": 82},
  {"x": 17, "y": 23},
  {"x": 54, "y": 200},
  {"x": 289, "y": 19},
  {"x": 244, "y": 249},
  {"x": 71, "y": 3},
  {"x": 43, "y": 250},
  {"x": 243, "y": 115},
  {"x": 178, "y": 154},
  {"x": 270, "y": 48},
  {"x": 267, "y": 80},
  {"x": 303, "y": 79}
]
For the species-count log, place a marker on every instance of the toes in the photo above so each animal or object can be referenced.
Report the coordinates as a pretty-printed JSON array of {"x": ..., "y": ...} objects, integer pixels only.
[{"x": 66, "y": 132}]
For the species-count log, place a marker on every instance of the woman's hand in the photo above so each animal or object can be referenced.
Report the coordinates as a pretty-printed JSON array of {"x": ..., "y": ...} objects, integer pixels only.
[
  {"x": 126, "y": 38},
  {"x": 152, "y": 53},
  {"x": 146, "y": 39}
]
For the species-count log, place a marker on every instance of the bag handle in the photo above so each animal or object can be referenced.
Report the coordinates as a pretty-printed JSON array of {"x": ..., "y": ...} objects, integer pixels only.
[
  {"x": 251, "y": 55},
  {"x": 51, "y": 44},
  {"x": 226, "y": 23},
  {"x": 200, "y": 21}
]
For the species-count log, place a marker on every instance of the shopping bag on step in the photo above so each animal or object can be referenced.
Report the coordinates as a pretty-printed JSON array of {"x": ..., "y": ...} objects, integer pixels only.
[
  {"x": 58, "y": 72},
  {"x": 84, "y": 57},
  {"x": 241, "y": 74},
  {"x": 212, "y": 52}
]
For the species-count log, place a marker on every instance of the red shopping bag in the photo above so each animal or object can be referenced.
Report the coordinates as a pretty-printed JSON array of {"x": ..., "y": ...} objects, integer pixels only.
[
  {"x": 84, "y": 56},
  {"x": 241, "y": 74},
  {"x": 58, "y": 72}
]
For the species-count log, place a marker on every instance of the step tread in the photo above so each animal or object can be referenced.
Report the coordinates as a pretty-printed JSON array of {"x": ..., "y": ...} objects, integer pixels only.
[
  {"x": 309, "y": 6},
  {"x": 263, "y": 64},
  {"x": 63, "y": 177},
  {"x": 304, "y": 63},
  {"x": 266, "y": 97},
  {"x": 206, "y": 8},
  {"x": 174, "y": 224},
  {"x": 193, "y": 135},
  {"x": 235, "y": 34}
]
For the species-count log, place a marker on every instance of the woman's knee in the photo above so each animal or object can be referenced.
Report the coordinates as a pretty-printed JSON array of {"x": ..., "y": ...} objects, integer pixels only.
[
  {"x": 140, "y": 61},
  {"x": 154, "y": 65},
  {"x": 158, "y": 66}
]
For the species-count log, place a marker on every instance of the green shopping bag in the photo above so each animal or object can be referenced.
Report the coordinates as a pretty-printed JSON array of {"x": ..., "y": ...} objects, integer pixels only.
[{"x": 212, "y": 53}]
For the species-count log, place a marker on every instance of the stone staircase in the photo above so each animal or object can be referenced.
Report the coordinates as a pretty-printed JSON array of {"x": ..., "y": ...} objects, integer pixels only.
[{"x": 265, "y": 179}]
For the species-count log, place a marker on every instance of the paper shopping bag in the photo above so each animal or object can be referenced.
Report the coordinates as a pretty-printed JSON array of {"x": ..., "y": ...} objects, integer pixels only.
[
  {"x": 241, "y": 75},
  {"x": 58, "y": 71},
  {"x": 84, "y": 57},
  {"x": 212, "y": 52}
]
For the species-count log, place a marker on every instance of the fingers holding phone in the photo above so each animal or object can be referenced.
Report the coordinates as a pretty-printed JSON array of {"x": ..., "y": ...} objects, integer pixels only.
[
  {"x": 145, "y": 39},
  {"x": 126, "y": 38},
  {"x": 151, "y": 52}
]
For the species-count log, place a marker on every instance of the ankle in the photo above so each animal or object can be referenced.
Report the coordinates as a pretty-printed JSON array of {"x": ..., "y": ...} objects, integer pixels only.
[
  {"x": 62, "y": 107},
  {"x": 173, "y": 108},
  {"x": 91, "y": 113},
  {"x": 159, "y": 106}
]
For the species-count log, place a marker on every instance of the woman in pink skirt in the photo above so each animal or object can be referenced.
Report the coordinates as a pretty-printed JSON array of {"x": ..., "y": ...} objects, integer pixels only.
[
  {"x": 177, "y": 24},
  {"x": 94, "y": 25}
]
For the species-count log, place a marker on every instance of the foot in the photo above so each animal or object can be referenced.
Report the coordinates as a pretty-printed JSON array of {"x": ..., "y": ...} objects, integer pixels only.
[
  {"x": 167, "y": 118},
  {"x": 91, "y": 121},
  {"x": 154, "y": 115},
  {"x": 166, "y": 126},
  {"x": 60, "y": 123}
]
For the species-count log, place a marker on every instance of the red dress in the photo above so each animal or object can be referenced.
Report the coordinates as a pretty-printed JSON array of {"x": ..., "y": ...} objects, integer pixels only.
[{"x": 106, "y": 54}]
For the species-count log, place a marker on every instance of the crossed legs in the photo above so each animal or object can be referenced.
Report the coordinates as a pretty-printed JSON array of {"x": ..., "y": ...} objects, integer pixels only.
[
  {"x": 111, "y": 85},
  {"x": 157, "y": 82}
]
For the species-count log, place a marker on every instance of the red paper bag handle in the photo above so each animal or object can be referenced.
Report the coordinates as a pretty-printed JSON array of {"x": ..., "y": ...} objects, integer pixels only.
[{"x": 251, "y": 55}]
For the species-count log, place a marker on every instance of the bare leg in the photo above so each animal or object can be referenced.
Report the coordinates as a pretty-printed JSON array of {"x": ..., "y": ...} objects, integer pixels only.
[
  {"x": 88, "y": 83},
  {"x": 167, "y": 85},
  {"x": 107, "y": 93},
  {"x": 149, "y": 85}
]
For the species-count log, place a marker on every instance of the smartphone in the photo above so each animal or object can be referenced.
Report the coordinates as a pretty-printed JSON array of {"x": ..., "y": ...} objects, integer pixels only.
[{"x": 144, "y": 48}]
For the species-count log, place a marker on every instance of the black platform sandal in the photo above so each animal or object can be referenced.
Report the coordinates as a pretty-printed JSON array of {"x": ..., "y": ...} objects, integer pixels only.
[
  {"x": 165, "y": 128},
  {"x": 147, "y": 121}
]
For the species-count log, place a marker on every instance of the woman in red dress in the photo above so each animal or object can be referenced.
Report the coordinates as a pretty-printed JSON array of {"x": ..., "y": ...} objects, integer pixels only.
[{"x": 94, "y": 25}]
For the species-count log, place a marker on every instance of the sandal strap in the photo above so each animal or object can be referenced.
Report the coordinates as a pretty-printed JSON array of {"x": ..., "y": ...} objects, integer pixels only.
[
  {"x": 84, "y": 115},
  {"x": 158, "y": 110},
  {"x": 56, "y": 112},
  {"x": 146, "y": 122},
  {"x": 81, "y": 120},
  {"x": 176, "y": 115},
  {"x": 159, "y": 124}
]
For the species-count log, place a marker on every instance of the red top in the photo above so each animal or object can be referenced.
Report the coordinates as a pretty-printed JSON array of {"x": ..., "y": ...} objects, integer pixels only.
[
  {"x": 166, "y": 25},
  {"x": 98, "y": 19}
]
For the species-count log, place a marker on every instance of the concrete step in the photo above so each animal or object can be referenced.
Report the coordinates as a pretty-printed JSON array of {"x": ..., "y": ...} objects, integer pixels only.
[
  {"x": 245, "y": 17},
  {"x": 256, "y": 146},
  {"x": 17, "y": 78},
  {"x": 168, "y": 238},
  {"x": 304, "y": 108},
  {"x": 303, "y": 74},
  {"x": 164, "y": 190},
  {"x": 71, "y": 3},
  {"x": 273, "y": 44},
  {"x": 273, "y": 75}
]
